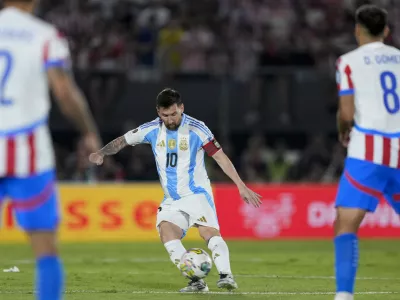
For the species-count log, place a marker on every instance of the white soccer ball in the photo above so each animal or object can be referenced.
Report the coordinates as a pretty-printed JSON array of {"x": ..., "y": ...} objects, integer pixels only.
[{"x": 195, "y": 264}]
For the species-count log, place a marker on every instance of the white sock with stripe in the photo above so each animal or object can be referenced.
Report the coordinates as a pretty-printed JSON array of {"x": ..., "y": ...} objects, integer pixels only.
[
  {"x": 175, "y": 250},
  {"x": 220, "y": 254}
]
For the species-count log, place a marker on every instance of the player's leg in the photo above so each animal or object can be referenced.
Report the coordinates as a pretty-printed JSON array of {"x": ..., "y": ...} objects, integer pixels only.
[
  {"x": 220, "y": 255},
  {"x": 172, "y": 225},
  {"x": 201, "y": 209},
  {"x": 37, "y": 212},
  {"x": 170, "y": 235},
  {"x": 358, "y": 193}
]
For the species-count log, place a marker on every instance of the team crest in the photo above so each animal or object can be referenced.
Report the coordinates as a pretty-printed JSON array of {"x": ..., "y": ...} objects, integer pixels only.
[
  {"x": 183, "y": 145},
  {"x": 172, "y": 144}
]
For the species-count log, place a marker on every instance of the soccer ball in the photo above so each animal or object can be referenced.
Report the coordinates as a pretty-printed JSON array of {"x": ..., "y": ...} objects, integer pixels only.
[{"x": 195, "y": 264}]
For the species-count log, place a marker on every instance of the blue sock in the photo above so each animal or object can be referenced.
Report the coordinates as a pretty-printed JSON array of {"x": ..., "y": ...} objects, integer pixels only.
[
  {"x": 346, "y": 262},
  {"x": 50, "y": 278}
]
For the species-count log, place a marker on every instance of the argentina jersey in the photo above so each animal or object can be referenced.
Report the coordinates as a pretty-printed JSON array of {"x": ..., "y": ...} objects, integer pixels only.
[{"x": 179, "y": 155}]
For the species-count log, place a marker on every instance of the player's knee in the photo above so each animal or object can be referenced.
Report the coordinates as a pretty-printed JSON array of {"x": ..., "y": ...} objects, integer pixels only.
[
  {"x": 43, "y": 243},
  {"x": 169, "y": 232},
  {"x": 348, "y": 220},
  {"x": 343, "y": 228},
  {"x": 208, "y": 232}
]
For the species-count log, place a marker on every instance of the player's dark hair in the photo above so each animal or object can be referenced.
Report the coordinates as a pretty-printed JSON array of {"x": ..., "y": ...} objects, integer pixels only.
[
  {"x": 168, "y": 97},
  {"x": 372, "y": 18}
]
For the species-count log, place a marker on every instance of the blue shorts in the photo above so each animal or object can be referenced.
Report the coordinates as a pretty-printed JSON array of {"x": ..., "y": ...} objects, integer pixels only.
[
  {"x": 364, "y": 183},
  {"x": 34, "y": 201}
]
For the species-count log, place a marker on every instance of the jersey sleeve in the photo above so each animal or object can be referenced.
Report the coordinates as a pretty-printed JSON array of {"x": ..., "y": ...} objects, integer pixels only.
[
  {"x": 135, "y": 137},
  {"x": 144, "y": 134},
  {"x": 344, "y": 79},
  {"x": 208, "y": 141},
  {"x": 56, "y": 52}
]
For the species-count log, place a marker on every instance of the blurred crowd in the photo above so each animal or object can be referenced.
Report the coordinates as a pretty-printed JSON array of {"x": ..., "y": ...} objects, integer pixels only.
[
  {"x": 152, "y": 39},
  {"x": 320, "y": 161}
]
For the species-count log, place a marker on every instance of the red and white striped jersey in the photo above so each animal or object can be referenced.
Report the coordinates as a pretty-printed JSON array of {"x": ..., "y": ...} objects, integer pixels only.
[
  {"x": 372, "y": 74},
  {"x": 28, "y": 47}
]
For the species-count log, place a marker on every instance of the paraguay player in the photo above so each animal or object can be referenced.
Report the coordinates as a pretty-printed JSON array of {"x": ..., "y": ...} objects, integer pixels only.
[
  {"x": 33, "y": 56},
  {"x": 369, "y": 126},
  {"x": 179, "y": 143}
]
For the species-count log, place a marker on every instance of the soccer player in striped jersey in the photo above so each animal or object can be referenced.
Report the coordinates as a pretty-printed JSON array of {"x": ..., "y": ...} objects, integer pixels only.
[
  {"x": 179, "y": 143},
  {"x": 369, "y": 126},
  {"x": 34, "y": 57}
]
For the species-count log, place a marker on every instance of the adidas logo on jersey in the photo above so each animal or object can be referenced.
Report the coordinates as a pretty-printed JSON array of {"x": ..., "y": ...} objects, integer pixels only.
[
  {"x": 161, "y": 144},
  {"x": 202, "y": 219}
]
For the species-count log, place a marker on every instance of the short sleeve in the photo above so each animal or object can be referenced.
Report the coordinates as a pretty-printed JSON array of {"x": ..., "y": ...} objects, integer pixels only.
[
  {"x": 202, "y": 131},
  {"x": 56, "y": 52},
  {"x": 144, "y": 134},
  {"x": 135, "y": 137},
  {"x": 344, "y": 79}
]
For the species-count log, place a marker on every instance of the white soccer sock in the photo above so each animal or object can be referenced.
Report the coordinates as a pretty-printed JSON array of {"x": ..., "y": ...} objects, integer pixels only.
[
  {"x": 220, "y": 254},
  {"x": 175, "y": 250},
  {"x": 344, "y": 296}
]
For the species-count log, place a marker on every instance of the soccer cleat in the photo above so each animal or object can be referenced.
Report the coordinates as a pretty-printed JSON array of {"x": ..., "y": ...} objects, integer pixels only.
[
  {"x": 226, "y": 281},
  {"x": 195, "y": 286}
]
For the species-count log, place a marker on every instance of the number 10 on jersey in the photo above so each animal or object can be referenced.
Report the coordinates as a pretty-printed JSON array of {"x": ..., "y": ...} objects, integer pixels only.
[{"x": 172, "y": 160}]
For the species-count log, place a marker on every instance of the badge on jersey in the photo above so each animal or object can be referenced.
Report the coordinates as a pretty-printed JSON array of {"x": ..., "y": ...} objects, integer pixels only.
[
  {"x": 183, "y": 145},
  {"x": 172, "y": 144}
]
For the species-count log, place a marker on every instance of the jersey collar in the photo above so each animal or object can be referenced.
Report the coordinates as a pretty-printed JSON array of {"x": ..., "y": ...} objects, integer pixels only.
[
  {"x": 374, "y": 45},
  {"x": 183, "y": 121}
]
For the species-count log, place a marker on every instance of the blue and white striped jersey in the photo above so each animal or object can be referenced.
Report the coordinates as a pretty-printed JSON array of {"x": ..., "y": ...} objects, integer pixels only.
[{"x": 179, "y": 155}]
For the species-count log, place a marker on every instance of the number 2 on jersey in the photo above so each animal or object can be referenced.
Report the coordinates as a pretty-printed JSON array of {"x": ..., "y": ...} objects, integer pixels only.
[
  {"x": 172, "y": 160},
  {"x": 390, "y": 97},
  {"x": 7, "y": 61}
]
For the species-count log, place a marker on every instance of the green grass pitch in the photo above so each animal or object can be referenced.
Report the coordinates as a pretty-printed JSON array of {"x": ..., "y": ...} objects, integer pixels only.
[{"x": 264, "y": 270}]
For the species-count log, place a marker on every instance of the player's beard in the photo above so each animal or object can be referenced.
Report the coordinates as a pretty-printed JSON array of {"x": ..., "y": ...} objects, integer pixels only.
[{"x": 172, "y": 126}]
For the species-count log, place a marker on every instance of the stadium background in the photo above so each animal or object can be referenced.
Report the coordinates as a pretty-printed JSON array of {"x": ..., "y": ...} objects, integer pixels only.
[{"x": 261, "y": 74}]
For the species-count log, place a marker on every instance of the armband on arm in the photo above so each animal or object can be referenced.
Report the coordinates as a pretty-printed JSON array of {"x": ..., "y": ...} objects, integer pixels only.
[{"x": 212, "y": 147}]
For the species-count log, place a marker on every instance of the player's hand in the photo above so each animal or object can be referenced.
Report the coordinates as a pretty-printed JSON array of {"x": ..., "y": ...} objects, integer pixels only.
[
  {"x": 96, "y": 158},
  {"x": 344, "y": 138},
  {"x": 249, "y": 196}
]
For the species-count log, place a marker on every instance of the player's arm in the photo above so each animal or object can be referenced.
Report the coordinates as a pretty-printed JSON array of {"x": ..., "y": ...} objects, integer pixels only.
[
  {"x": 214, "y": 150},
  {"x": 111, "y": 148},
  {"x": 345, "y": 117},
  {"x": 71, "y": 101},
  {"x": 131, "y": 138},
  {"x": 346, "y": 110}
]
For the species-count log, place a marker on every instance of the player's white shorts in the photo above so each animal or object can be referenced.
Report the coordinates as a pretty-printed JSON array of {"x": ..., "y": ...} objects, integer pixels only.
[{"x": 188, "y": 212}]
